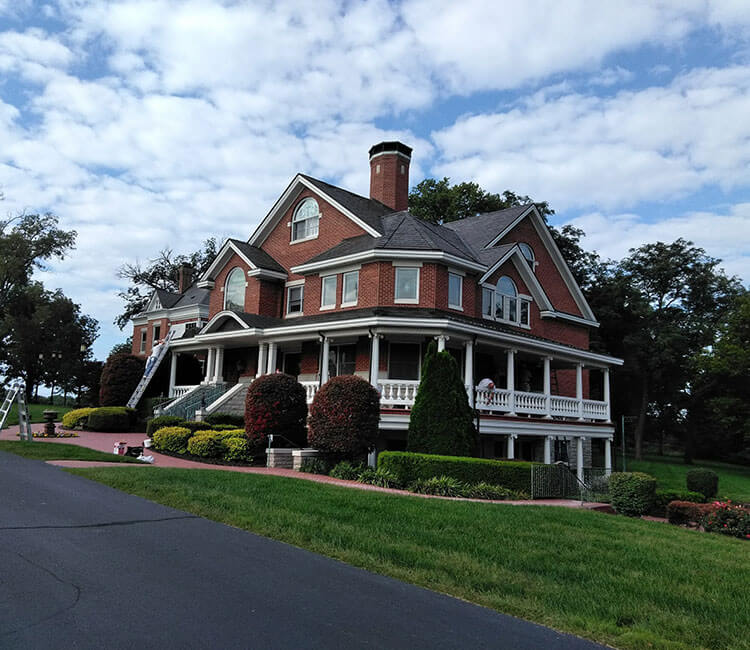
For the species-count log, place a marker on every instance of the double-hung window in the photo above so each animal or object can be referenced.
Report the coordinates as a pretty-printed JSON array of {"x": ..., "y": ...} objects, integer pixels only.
[
  {"x": 407, "y": 285},
  {"x": 294, "y": 296},
  {"x": 350, "y": 293},
  {"x": 455, "y": 291},
  {"x": 328, "y": 292},
  {"x": 144, "y": 335}
]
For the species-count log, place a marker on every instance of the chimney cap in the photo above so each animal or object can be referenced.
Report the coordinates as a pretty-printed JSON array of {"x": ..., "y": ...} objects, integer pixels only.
[{"x": 390, "y": 147}]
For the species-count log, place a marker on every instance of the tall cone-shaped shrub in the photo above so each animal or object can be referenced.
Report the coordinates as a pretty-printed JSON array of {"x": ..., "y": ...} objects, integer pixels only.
[{"x": 442, "y": 422}]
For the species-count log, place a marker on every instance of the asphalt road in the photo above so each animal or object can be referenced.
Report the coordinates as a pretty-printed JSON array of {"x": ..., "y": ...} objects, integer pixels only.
[{"x": 85, "y": 566}]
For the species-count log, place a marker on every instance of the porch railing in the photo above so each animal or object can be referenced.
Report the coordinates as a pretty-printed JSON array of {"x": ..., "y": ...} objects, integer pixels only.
[
  {"x": 179, "y": 391},
  {"x": 311, "y": 387},
  {"x": 397, "y": 392}
]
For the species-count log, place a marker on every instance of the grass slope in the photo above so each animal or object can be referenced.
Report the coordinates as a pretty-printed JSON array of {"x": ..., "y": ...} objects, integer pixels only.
[
  {"x": 60, "y": 451},
  {"x": 35, "y": 413},
  {"x": 629, "y": 583},
  {"x": 670, "y": 471}
]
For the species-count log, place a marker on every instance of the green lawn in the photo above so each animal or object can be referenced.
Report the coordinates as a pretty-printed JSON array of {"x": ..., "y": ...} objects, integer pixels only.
[
  {"x": 35, "y": 412},
  {"x": 669, "y": 471},
  {"x": 60, "y": 451},
  {"x": 625, "y": 582}
]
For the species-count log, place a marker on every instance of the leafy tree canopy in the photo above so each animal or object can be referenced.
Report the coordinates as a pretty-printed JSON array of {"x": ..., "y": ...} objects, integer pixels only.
[{"x": 159, "y": 273}]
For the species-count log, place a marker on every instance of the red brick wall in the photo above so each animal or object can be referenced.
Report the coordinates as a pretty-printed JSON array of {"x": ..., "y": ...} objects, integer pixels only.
[
  {"x": 261, "y": 296},
  {"x": 387, "y": 184},
  {"x": 308, "y": 364},
  {"x": 149, "y": 335}
]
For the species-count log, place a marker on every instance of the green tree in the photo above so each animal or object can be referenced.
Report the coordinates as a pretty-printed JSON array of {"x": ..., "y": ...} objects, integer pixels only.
[
  {"x": 160, "y": 273},
  {"x": 120, "y": 376},
  {"x": 442, "y": 422}
]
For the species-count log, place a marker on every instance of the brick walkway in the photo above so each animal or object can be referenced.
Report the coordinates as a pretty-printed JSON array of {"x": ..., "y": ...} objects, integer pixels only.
[{"x": 106, "y": 441}]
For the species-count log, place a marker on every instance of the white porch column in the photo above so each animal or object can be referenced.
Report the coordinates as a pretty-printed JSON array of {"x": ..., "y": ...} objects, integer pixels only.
[
  {"x": 511, "y": 446},
  {"x": 579, "y": 389},
  {"x": 374, "y": 360},
  {"x": 272, "y": 353},
  {"x": 547, "y": 388},
  {"x": 210, "y": 364},
  {"x": 324, "y": 360},
  {"x": 606, "y": 394},
  {"x": 579, "y": 458},
  {"x": 511, "y": 382},
  {"x": 469, "y": 370},
  {"x": 173, "y": 373},
  {"x": 547, "y": 450},
  {"x": 441, "y": 342},
  {"x": 608, "y": 456},
  {"x": 219, "y": 366},
  {"x": 262, "y": 359}
]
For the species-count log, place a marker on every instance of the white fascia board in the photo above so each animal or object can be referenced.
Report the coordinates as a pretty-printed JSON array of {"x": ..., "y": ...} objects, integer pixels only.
[
  {"x": 528, "y": 276},
  {"x": 206, "y": 284},
  {"x": 241, "y": 335},
  {"x": 222, "y": 258},
  {"x": 286, "y": 199},
  {"x": 511, "y": 225},
  {"x": 569, "y": 317},
  {"x": 546, "y": 428},
  {"x": 389, "y": 254},
  {"x": 140, "y": 319},
  {"x": 267, "y": 274},
  {"x": 189, "y": 311}
]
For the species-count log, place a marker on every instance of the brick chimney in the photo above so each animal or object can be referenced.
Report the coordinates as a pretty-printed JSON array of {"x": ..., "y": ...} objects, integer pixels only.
[
  {"x": 389, "y": 174},
  {"x": 185, "y": 274}
]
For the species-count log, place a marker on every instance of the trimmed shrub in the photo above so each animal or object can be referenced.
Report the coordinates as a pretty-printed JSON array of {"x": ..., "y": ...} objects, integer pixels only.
[
  {"x": 76, "y": 418},
  {"x": 238, "y": 449},
  {"x": 441, "y": 421},
  {"x": 230, "y": 434},
  {"x": 346, "y": 471},
  {"x": 632, "y": 493},
  {"x": 443, "y": 486},
  {"x": 194, "y": 425},
  {"x": 120, "y": 376},
  {"x": 493, "y": 492},
  {"x": 344, "y": 417},
  {"x": 409, "y": 467},
  {"x": 687, "y": 512},
  {"x": 174, "y": 439},
  {"x": 225, "y": 419},
  {"x": 111, "y": 419},
  {"x": 315, "y": 466},
  {"x": 728, "y": 519},
  {"x": 275, "y": 405},
  {"x": 206, "y": 444},
  {"x": 704, "y": 481},
  {"x": 380, "y": 477},
  {"x": 163, "y": 421},
  {"x": 665, "y": 497}
]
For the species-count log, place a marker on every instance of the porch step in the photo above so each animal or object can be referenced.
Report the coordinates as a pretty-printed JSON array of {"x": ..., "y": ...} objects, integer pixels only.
[{"x": 233, "y": 401}]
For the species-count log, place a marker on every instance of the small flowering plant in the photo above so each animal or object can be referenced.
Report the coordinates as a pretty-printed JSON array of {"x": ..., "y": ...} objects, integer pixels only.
[{"x": 729, "y": 519}]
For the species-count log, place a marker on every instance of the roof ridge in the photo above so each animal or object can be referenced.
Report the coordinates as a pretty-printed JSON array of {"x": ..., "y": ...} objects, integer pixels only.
[
  {"x": 343, "y": 189},
  {"x": 436, "y": 229}
]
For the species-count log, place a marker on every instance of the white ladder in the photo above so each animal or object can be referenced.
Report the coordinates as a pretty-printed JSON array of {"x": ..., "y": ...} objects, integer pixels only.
[
  {"x": 150, "y": 372},
  {"x": 17, "y": 393}
]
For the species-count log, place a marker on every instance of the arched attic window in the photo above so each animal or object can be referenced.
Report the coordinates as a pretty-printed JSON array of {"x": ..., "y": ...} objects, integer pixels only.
[
  {"x": 509, "y": 306},
  {"x": 234, "y": 290},
  {"x": 528, "y": 253},
  {"x": 305, "y": 220}
]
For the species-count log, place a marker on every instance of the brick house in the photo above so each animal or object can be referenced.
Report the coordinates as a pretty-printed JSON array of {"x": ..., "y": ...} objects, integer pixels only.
[{"x": 335, "y": 283}]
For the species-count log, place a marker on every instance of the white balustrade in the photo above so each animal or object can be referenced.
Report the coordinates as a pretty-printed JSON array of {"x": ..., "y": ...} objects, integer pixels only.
[
  {"x": 498, "y": 401},
  {"x": 397, "y": 392},
  {"x": 493, "y": 400},
  {"x": 595, "y": 409},
  {"x": 179, "y": 391},
  {"x": 532, "y": 403},
  {"x": 311, "y": 387},
  {"x": 563, "y": 406}
]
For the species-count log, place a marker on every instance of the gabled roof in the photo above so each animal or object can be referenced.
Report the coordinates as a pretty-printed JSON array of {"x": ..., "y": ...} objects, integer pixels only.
[
  {"x": 193, "y": 296},
  {"x": 258, "y": 256},
  {"x": 257, "y": 259},
  {"x": 479, "y": 231}
]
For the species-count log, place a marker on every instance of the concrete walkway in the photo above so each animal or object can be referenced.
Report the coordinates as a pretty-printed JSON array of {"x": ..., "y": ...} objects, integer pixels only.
[{"x": 105, "y": 442}]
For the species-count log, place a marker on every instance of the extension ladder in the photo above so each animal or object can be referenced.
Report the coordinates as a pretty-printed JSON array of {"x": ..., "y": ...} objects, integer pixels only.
[
  {"x": 150, "y": 371},
  {"x": 17, "y": 393}
]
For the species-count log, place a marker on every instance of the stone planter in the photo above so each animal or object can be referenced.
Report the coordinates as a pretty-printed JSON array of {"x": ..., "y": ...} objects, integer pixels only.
[
  {"x": 279, "y": 458},
  {"x": 49, "y": 421},
  {"x": 300, "y": 455}
]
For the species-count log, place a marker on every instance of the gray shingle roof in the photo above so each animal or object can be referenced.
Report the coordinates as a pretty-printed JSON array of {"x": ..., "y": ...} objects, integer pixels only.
[
  {"x": 167, "y": 298},
  {"x": 258, "y": 256},
  {"x": 481, "y": 230},
  {"x": 193, "y": 296}
]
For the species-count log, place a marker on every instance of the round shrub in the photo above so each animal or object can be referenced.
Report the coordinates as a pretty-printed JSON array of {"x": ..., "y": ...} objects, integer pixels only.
[
  {"x": 344, "y": 417},
  {"x": 728, "y": 519},
  {"x": 111, "y": 419},
  {"x": 238, "y": 450},
  {"x": 704, "y": 481},
  {"x": 163, "y": 421},
  {"x": 206, "y": 444},
  {"x": 76, "y": 418},
  {"x": 174, "y": 439},
  {"x": 229, "y": 434},
  {"x": 275, "y": 405},
  {"x": 120, "y": 375},
  {"x": 632, "y": 493}
]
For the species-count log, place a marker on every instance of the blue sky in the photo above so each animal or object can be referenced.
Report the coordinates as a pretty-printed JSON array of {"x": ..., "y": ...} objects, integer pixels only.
[{"x": 160, "y": 123}]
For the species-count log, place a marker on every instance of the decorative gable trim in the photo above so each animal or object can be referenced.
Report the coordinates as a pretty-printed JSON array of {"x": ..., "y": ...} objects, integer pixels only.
[
  {"x": 557, "y": 258},
  {"x": 219, "y": 318},
  {"x": 154, "y": 304},
  {"x": 527, "y": 275},
  {"x": 286, "y": 200},
  {"x": 220, "y": 261}
]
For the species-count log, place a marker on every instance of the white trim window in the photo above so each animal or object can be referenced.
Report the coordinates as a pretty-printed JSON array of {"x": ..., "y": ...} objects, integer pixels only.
[
  {"x": 305, "y": 220},
  {"x": 350, "y": 290},
  {"x": 406, "y": 289},
  {"x": 455, "y": 291},
  {"x": 328, "y": 288},
  {"x": 503, "y": 303},
  {"x": 157, "y": 333},
  {"x": 144, "y": 336},
  {"x": 295, "y": 299},
  {"x": 528, "y": 253},
  {"x": 234, "y": 290}
]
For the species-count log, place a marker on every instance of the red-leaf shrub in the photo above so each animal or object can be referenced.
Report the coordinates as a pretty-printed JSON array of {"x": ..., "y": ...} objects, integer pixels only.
[
  {"x": 728, "y": 519},
  {"x": 275, "y": 405},
  {"x": 687, "y": 512},
  {"x": 120, "y": 376},
  {"x": 344, "y": 417}
]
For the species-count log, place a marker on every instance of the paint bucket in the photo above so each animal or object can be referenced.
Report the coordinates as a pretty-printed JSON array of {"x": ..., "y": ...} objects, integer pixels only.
[{"x": 119, "y": 448}]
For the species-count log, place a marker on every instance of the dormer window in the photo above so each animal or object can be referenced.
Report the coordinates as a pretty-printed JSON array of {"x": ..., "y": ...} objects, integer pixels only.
[
  {"x": 234, "y": 290},
  {"x": 503, "y": 303},
  {"x": 528, "y": 253},
  {"x": 305, "y": 220}
]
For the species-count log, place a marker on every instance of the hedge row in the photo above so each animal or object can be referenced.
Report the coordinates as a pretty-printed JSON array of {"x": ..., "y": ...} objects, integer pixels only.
[
  {"x": 76, "y": 418},
  {"x": 632, "y": 493},
  {"x": 409, "y": 467},
  {"x": 230, "y": 445},
  {"x": 215, "y": 421},
  {"x": 109, "y": 419},
  {"x": 665, "y": 497}
]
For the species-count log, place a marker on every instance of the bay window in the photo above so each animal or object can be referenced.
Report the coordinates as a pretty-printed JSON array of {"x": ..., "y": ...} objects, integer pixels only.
[
  {"x": 503, "y": 303},
  {"x": 455, "y": 291}
]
